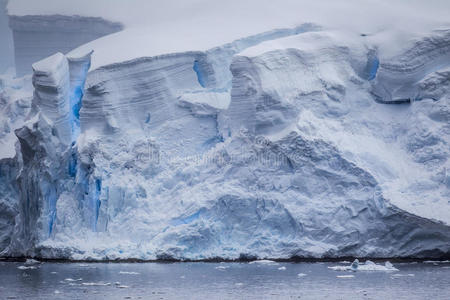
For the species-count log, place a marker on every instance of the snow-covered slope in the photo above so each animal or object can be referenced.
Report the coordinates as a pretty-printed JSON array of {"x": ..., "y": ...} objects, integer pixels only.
[
  {"x": 155, "y": 27},
  {"x": 299, "y": 136}
]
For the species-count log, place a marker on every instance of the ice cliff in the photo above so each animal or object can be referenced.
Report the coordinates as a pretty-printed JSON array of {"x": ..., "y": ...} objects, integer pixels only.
[{"x": 296, "y": 142}]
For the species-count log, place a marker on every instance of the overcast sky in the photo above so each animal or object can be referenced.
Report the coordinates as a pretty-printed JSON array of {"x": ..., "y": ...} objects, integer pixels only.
[{"x": 6, "y": 44}]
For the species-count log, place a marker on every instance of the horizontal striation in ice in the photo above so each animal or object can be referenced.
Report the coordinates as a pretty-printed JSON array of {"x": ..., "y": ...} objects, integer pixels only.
[
  {"x": 51, "y": 92},
  {"x": 398, "y": 76}
]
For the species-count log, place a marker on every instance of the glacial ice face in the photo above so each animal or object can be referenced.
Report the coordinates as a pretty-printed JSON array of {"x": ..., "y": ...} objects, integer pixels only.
[
  {"x": 398, "y": 76},
  {"x": 51, "y": 93},
  {"x": 42, "y": 134},
  {"x": 15, "y": 104},
  {"x": 290, "y": 153},
  {"x": 79, "y": 68}
]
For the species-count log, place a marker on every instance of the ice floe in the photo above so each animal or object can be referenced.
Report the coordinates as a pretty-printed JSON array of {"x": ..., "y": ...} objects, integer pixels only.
[{"x": 367, "y": 266}]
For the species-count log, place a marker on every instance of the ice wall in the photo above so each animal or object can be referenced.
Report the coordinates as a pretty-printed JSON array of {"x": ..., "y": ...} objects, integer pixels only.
[
  {"x": 40, "y": 164},
  {"x": 51, "y": 93},
  {"x": 15, "y": 104},
  {"x": 273, "y": 146},
  {"x": 79, "y": 67},
  {"x": 398, "y": 76}
]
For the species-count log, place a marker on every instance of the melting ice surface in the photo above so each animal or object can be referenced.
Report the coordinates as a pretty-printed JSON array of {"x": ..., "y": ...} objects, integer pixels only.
[{"x": 221, "y": 281}]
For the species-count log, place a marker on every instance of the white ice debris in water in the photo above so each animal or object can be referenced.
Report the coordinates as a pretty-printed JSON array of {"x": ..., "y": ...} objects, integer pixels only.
[
  {"x": 301, "y": 275},
  {"x": 57, "y": 292},
  {"x": 83, "y": 265},
  {"x": 73, "y": 280},
  {"x": 53, "y": 272},
  {"x": 282, "y": 268},
  {"x": 129, "y": 273},
  {"x": 101, "y": 283},
  {"x": 31, "y": 262},
  {"x": 26, "y": 268},
  {"x": 222, "y": 267},
  {"x": 367, "y": 266},
  {"x": 387, "y": 264},
  {"x": 436, "y": 261},
  {"x": 123, "y": 286},
  {"x": 345, "y": 276},
  {"x": 264, "y": 262},
  {"x": 403, "y": 275}
]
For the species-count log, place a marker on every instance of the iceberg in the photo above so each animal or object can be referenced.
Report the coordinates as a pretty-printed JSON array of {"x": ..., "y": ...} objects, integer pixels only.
[
  {"x": 282, "y": 140},
  {"x": 345, "y": 276}
]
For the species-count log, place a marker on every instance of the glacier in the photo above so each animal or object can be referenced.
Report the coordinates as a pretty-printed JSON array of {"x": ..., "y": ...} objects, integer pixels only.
[{"x": 294, "y": 142}]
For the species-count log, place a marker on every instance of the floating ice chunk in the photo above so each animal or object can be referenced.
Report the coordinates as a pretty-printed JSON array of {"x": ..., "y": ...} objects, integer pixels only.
[
  {"x": 367, "y": 266},
  {"x": 354, "y": 265},
  {"x": 222, "y": 267},
  {"x": 282, "y": 268},
  {"x": 403, "y": 275},
  {"x": 26, "y": 268},
  {"x": 129, "y": 273},
  {"x": 57, "y": 292},
  {"x": 101, "y": 283},
  {"x": 31, "y": 262},
  {"x": 123, "y": 286},
  {"x": 436, "y": 261},
  {"x": 340, "y": 268},
  {"x": 83, "y": 265},
  {"x": 264, "y": 262},
  {"x": 72, "y": 280},
  {"x": 345, "y": 276},
  {"x": 371, "y": 266},
  {"x": 301, "y": 275}
]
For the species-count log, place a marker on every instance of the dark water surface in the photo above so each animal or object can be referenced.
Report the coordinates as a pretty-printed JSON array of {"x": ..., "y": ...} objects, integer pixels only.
[{"x": 221, "y": 281}]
